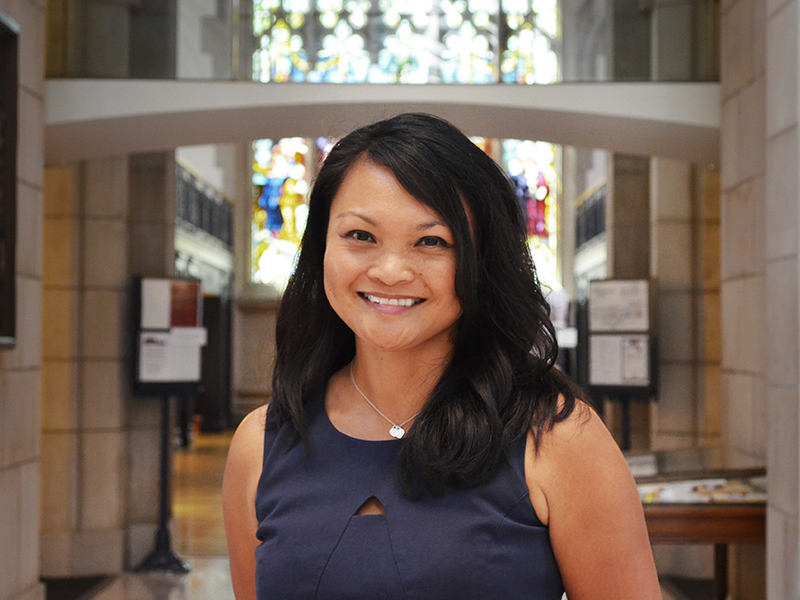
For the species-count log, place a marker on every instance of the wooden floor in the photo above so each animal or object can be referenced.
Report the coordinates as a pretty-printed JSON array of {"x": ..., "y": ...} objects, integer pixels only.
[{"x": 197, "y": 528}]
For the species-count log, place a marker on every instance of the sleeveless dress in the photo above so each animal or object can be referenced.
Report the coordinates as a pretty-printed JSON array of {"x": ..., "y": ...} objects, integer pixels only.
[{"x": 481, "y": 543}]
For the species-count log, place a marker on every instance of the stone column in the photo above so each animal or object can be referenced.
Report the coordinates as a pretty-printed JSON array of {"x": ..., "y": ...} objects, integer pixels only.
[
  {"x": 747, "y": 86},
  {"x": 100, "y": 444},
  {"x": 628, "y": 239},
  {"x": 759, "y": 279},
  {"x": 707, "y": 309},
  {"x": 674, "y": 416},
  {"x": 84, "y": 375},
  {"x": 20, "y": 366},
  {"x": 685, "y": 265}
]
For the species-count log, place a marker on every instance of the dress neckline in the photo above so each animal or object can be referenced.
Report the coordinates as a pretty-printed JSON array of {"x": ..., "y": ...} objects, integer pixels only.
[{"x": 336, "y": 431}]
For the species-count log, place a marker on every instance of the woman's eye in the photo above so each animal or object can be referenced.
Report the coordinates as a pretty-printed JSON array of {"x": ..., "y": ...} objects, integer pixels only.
[
  {"x": 359, "y": 235},
  {"x": 433, "y": 241}
]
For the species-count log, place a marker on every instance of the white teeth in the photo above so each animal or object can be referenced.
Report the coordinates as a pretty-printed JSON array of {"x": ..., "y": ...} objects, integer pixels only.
[{"x": 391, "y": 301}]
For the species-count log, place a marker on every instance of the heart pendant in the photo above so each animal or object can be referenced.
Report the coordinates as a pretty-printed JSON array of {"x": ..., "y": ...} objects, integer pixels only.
[{"x": 397, "y": 432}]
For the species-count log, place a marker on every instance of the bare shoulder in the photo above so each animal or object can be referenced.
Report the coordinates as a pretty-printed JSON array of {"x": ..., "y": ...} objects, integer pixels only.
[
  {"x": 251, "y": 429},
  {"x": 583, "y": 430},
  {"x": 573, "y": 439},
  {"x": 243, "y": 466},
  {"x": 574, "y": 458},
  {"x": 239, "y": 485},
  {"x": 594, "y": 513}
]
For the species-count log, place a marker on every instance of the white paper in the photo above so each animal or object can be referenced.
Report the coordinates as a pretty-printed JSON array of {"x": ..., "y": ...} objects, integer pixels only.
[
  {"x": 619, "y": 305},
  {"x": 155, "y": 304},
  {"x": 619, "y": 359},
  {"x": 188, "y": 336},
  {"x": 161, "y": 360},
  {"x": 567, "y": 337},
  {"x": 605, "y": 360},
  {"x": 635, "y": 359},
  {"x": 153, "y": 356}
]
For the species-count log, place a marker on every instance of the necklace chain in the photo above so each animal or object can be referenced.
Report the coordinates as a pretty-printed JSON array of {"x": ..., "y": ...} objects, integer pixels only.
[{"x": 396, "y": 430}]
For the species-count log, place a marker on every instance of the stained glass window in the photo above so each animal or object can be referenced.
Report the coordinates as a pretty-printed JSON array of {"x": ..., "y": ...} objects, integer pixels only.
[
  {"x": 406, "y": 41},
  {"x": 530, "y": 55},
  {"x": 280, "y": 187},
  {"x": 532, "y": 167}
]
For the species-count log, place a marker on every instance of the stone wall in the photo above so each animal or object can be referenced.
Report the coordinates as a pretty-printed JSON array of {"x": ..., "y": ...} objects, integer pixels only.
[
  {"x": 20, "y": 386},
  {"x": 749, "y": 283}
]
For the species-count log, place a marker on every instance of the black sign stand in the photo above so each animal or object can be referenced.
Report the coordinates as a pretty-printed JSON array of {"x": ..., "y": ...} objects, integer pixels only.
[
  {"x": 188, "y": 312},
  {"x": 162, "y": 558},
  {"x": 625, "y": 424}
]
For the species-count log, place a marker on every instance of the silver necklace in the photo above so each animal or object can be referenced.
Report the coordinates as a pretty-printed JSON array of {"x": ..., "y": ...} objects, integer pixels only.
[{"x": 396, "y": 430}]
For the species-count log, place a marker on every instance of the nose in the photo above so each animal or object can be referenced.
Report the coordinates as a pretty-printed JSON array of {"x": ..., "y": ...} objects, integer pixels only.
[{"x": 391, "y": 268}]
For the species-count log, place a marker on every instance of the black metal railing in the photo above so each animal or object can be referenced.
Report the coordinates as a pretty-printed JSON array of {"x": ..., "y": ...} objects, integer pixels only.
[
  {"x": 590, "y": 217},
  {"x": 202, "y": 207}
]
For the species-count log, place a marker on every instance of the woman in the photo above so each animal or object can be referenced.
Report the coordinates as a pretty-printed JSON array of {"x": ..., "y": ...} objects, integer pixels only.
[{"x": 419, "y": 442}]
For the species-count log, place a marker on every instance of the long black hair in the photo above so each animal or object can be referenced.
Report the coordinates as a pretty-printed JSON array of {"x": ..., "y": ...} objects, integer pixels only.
[{"x": 500, "y": 381}]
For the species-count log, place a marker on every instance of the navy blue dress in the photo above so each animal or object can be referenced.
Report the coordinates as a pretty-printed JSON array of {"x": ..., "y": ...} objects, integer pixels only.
[{"x": 481, "y": 543}]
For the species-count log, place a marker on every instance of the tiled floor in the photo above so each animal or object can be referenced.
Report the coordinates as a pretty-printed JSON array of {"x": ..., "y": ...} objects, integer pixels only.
[
  {"x": 198, "y": 534},
  {"x": 209, "y": 579}
]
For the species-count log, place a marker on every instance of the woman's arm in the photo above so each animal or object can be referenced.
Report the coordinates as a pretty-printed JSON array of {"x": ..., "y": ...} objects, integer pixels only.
[
  {"x": 580, "y": 481},
  {"x": 239, "y": 483}
]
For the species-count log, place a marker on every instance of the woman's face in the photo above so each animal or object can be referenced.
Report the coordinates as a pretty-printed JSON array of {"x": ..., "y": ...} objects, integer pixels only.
[{"x": 390, "y": 264}]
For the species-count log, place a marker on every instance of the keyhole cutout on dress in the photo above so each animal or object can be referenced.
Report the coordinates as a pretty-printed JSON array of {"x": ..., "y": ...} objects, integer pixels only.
[{"x": 371, "y": 506}]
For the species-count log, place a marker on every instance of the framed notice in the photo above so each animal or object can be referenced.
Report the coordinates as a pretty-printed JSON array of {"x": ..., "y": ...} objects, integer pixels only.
[
  {"x": 9, "y": 43},
  {"x": 619, "y": 305},
  {"x": 621, "y": 341},
  {"x": 619, "y": 360},
  {"x": 169, "y": 335}
]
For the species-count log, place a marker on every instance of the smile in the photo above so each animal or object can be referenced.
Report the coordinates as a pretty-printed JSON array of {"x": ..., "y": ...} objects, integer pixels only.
[{"x": 391, "y": 301}]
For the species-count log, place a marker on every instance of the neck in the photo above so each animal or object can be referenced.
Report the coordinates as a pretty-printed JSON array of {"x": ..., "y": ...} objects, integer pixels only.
[{"x": 399, "y": 384}]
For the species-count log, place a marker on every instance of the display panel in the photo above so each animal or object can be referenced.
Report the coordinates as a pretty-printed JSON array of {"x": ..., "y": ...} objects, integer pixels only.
[
  {"x": 169, "y": 335},
  {"x": 619, "y": 360}
]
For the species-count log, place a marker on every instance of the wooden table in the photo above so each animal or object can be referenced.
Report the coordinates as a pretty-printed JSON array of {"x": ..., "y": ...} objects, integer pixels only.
[{"x": 714, "y": 523}]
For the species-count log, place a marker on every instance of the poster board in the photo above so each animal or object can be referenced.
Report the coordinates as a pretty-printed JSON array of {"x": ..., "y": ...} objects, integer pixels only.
[
  {"x": 619, "y": 360},
  {"x": 168, "y": 335},
  {"x": 619, "y": 305},
  {"x": 621, "y": 341}
]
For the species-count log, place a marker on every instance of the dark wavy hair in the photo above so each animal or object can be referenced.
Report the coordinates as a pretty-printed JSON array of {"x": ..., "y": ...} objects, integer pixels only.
[{"x": 500, "y": 381}]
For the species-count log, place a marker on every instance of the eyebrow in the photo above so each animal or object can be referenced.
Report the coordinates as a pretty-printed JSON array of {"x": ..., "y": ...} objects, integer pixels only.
[{"x": 420, "y": 227}]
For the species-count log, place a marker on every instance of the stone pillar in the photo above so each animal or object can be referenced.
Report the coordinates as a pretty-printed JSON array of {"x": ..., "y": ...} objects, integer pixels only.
[
  {"x": 707, "y": 308},
  {"x": 747, "y": 85},
  {"x": 20, "y": 366},
  {"x": 84, "y": 378},
  {"x": 759, "y": 279},
  {"x": 674, "y": 416},
  {"x": 628, "y": 239},
  {"x": 100, "y": 444},
  {"x": 685, "y": 266}
]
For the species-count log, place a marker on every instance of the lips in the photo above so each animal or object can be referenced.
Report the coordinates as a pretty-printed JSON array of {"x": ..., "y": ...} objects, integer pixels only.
[{"x": 384, "y": 301}]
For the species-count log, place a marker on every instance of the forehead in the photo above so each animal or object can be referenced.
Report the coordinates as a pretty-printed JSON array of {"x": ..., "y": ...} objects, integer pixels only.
[{"x": 369, "y": 186}]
